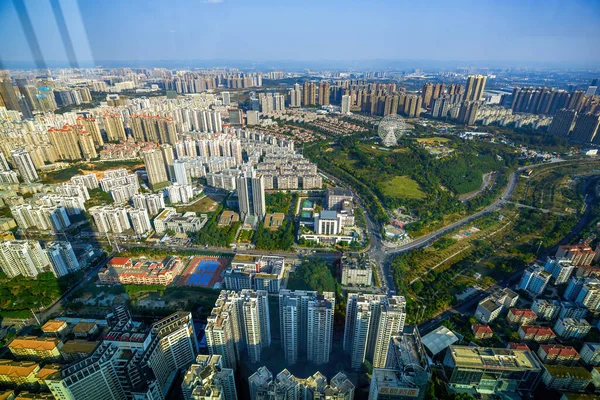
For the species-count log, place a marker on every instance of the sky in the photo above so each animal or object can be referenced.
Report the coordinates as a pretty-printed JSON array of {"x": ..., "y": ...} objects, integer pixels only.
[{"x": 521, "y": 32}]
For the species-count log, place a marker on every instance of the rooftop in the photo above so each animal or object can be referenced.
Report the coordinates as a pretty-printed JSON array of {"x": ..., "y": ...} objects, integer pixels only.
[
  {"x": 17, "y": 369},
  {"x": 54, "y": 325},
  {"x": 562, "y": 371},
  {"x": 34, "y": 343},
  {"x": 493, "y": 358}
]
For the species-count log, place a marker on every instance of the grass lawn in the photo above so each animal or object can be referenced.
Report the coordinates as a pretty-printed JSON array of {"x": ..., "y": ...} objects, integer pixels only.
[
  {"x": 433, "y": 139},
  {"x": 62, "y": 175},
  {"x": 205, "y": 204},
  {"x": 402, "y": 187}
]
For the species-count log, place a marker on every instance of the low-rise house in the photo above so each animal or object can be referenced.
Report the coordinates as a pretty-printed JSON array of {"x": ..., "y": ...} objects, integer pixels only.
[
  {"x": 482, "y": 331},
  {"x": 521, "y": 316},
  {"x": 55, "y": 328},
  {"x": 34, "y": 348},
  {"x": 539, "y": 334},
  {"x": 558, "y": 354}
]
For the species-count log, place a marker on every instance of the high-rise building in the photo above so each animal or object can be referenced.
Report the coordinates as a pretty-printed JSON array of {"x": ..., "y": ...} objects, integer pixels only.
[
  {"x": 62, "y": 258},
  {"x": 371, "y": 321},
  {"x": 413, "y": 105},
  {"x": 309, "y": 94},
  {"x": 86, "y": 144},
  {"x": 66, "y": 142},
  {"x": 155, "y": 167},
  {"x": 252, "y": 117},
  {"x": 168, "y": 157},
  {"x": 468, "y": 112},
  {"x": 475, "y": 87},
  {"x": 22, "y": 160},
  {"x": 22, "y": 257},
  {"x": 251, "y": 195},
  {"x": 346, "y": 103},
  {"x": 207, "y": 379},
  {"x": 586, "y": 128},
  {"x": 7, "y": 92},
  {"x": 592, "y": 90},
  {"x": 324, "y": 89},
  {"x": 562, "y": 123},
  {"x": 534, "y": 280},
  {"x": 91, "y": 125},
  {"x": 226, "y": 98},
  {"x": 113, "y": 125},
  {"x": 427, "y": 94},
  {"x": 306, "y": 325},
  {"x": 239, "y": 325}
]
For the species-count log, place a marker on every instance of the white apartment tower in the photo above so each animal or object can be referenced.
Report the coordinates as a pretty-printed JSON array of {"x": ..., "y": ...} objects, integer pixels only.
[
  {"x": 22, "y": 257},
  {"x": 22, "y": 160},
  {"x": 251, "y": 195},
  {"x": 62, "y": 258},
  {"x": 371, "y": 321}
]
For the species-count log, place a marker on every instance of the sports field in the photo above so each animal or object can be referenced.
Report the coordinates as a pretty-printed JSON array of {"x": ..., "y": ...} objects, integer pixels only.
[{"x": 203, "y": 272}]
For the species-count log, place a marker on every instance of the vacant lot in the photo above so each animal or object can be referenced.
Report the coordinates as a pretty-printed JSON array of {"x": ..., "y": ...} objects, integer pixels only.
[
  {"x": 402, "y": 187},
  {"x": 433, "y": 140},
  {"x": 205, "y": 204}
]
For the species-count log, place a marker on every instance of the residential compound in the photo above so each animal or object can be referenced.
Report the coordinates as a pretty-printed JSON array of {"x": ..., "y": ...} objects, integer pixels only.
[
  {"x": 239, "y": 326},
  {"x": 306, "y": 325},
  {"x": 130, "y": 361},
  {"x": 28, "y": 259},
  {"x": 489, "y": 308},
  {"x": 371, "y": 321},
  {"x": 208, "y": 378}
]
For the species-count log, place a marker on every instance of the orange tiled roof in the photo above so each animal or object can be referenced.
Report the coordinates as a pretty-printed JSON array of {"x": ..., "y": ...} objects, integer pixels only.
[
  {"x": 53, "y": 325},
  {"x": 17, "y": 369},
  {"x": 34, "y": 343}
]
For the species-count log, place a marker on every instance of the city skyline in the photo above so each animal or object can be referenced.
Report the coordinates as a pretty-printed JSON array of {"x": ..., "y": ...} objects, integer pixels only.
[{"x": 202, "y": 33}]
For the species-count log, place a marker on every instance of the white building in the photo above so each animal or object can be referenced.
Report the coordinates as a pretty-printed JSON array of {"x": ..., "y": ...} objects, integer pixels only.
[
  {"x": 208, "y": 378},
  {"x": 534, "y": 280},
  {"x": 371, "y": 321},
  {"x": 62, "y": 258},
  {"x": 22, "y": 160},
  {"x": 22, "y": 257},
  {"x": 180, "y": 193}
]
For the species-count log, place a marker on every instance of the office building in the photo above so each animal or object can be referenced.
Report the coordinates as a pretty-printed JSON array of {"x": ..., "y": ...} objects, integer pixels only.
[
  {"x": 562, "y": 123},
  {"x": 62, "y": 258},
  {"x": 207, "y": 378},
  {"x": 492, "y": 370},
  {"x": 586, "y": 128},
  {"x": 306, "y": 325},
  {"x": 534, "y": 280},
  {"x": 475, "y": 87},
  {"x": 371, "y": 321},
  {"x": 22, "y": 160},
  {"x": 22, "y": 257},
  {"x": 251, "y": 194},
  {"x": 155, "y": 167},
  {"x": 239, "y": 326}
]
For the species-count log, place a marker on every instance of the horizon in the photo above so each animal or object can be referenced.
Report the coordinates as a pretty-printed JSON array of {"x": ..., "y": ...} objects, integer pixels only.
[{"x": 338, "y": 34}]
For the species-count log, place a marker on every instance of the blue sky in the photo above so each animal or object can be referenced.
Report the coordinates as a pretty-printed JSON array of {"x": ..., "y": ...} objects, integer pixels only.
[{"x": 525, "y": 31}]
